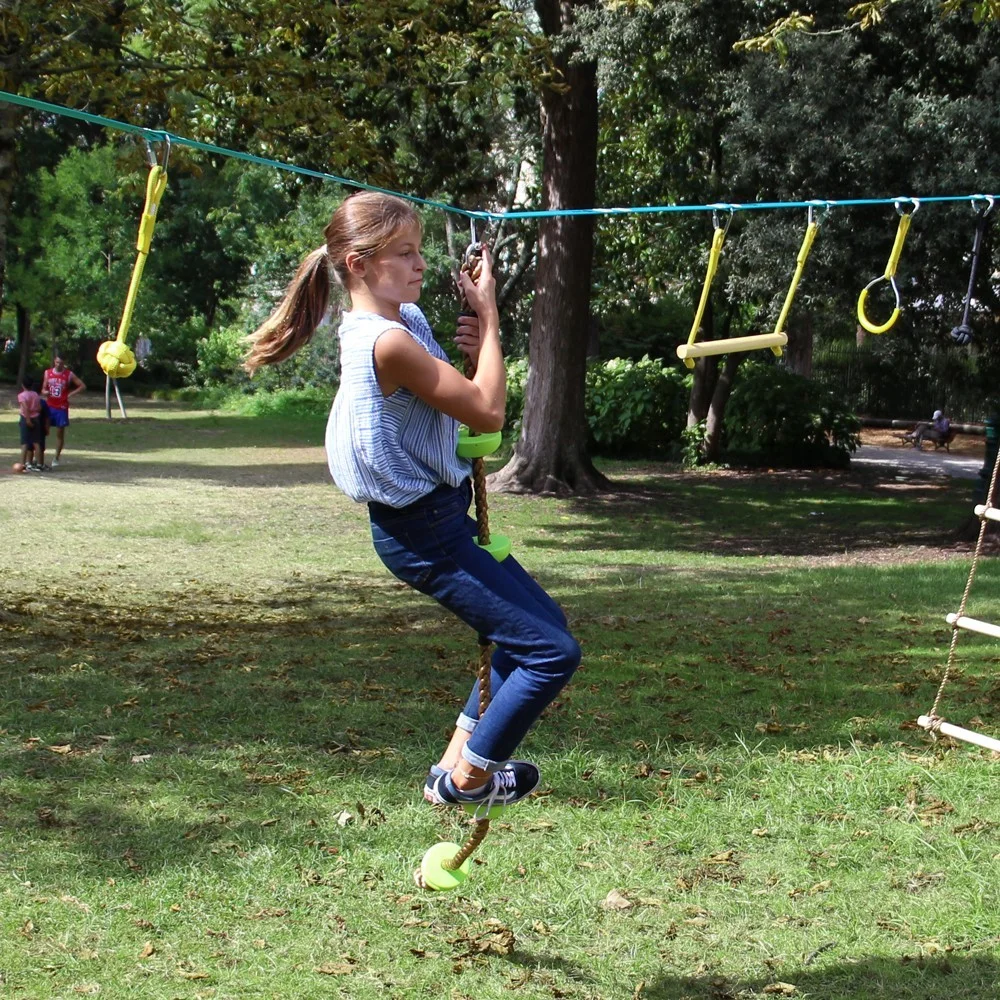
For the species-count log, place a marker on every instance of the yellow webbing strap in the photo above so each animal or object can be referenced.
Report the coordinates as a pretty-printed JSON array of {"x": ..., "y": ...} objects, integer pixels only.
[
  {"x": 905, "y": 218},
  {"x": 114, "y": 356},
  {"x": 156, "y": 184},
  {"x": 714, "y": 256},
  {"x": 800, "y": 265}
]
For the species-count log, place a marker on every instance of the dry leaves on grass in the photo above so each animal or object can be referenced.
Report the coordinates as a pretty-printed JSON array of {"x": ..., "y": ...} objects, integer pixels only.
[
  {"x": 495, "y": 938},
  {"x": 616, "y": 901},
  {"x": 336, "y": 968}
]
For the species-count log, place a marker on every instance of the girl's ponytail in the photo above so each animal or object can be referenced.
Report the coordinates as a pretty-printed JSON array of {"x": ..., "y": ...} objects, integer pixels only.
[{"x": 293, "y": 323}]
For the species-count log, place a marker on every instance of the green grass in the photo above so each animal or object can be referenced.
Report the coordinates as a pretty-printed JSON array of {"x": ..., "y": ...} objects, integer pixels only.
[{"x": 219, "y": 709}]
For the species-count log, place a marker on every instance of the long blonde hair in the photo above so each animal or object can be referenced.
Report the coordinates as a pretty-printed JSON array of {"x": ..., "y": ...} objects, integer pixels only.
[{"x": 364, "y": 223}]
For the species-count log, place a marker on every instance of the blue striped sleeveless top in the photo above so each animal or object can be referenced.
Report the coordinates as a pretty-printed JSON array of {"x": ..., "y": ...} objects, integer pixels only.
[{"x": 388, "y": 449}]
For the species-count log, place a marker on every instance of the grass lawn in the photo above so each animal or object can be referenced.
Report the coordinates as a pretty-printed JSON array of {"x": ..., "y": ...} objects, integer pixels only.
[{"x": 219, "y": 709}]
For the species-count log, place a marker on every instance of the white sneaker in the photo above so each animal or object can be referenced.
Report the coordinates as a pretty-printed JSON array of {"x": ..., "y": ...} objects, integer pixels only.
[{"x": 55, "y": 463}]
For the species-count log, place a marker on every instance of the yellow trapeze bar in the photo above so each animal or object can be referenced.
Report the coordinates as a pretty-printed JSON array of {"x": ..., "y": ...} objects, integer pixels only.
[{"x": 775, "y": 341}]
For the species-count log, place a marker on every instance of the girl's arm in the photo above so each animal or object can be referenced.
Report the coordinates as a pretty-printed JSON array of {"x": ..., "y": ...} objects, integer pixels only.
[{"x": 479, "y": 402}]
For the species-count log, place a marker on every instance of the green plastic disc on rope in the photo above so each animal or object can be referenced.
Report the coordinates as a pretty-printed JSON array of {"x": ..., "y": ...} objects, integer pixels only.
[
  {"x": 477, "y": 812},
  {"x": 435, "y": 875},
  {"x": 477, "y": 445},
  {"x": 499, "y": 547}
]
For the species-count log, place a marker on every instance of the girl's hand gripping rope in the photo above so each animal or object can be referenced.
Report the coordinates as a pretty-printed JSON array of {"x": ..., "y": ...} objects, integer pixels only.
[{"x": 477, "y": 286}]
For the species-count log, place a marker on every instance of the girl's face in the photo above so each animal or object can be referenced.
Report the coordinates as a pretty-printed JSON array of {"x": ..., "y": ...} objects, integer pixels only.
[{"x": 395, "y": 275}]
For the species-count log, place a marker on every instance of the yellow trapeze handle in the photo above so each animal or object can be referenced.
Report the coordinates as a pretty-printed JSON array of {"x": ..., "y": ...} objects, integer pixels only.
[
  {"x": 714, "y": 256},
  {"x": 905, "y": 218},
  {"x": 732, "y": 345},
  {"x": 156, "y": 184}
]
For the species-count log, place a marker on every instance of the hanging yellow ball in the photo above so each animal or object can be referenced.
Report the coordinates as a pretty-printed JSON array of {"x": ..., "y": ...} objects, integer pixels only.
[{"x": 116, "y": 359}]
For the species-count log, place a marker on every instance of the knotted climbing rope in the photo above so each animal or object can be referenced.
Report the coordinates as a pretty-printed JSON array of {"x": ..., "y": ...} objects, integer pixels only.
[{"x": 446, "y": 865}]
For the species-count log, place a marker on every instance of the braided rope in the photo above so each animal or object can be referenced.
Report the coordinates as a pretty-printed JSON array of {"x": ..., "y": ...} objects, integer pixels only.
[
  {"x": 482, "y": 826},
  {"x": 936, "y": 720}
]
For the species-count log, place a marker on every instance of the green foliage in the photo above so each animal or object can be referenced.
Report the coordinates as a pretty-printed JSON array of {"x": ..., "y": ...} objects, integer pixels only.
[
  {"x": 310, "y": 401},
  {"x": 693, "y": 445},
  {"x": 517, "y": 382},
  {"x": 635, "y": 408},
  {"x": 781, "y": 418},
  {"x": 905, "y": 379},
  {"x": 645, "y": 328}
]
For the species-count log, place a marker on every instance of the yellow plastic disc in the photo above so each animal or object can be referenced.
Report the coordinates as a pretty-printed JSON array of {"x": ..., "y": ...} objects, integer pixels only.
[
  {"x": 435, "y": 875},
  {"x": 477, "y": 445},
  {"x": 499, "y": 547}
]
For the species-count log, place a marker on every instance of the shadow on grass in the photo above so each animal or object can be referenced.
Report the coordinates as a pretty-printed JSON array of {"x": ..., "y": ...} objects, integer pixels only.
[
  {"x": 908, "y": 978},
  {"x": 750, "y": 514},
  {"x": 360, "y": 673},
  {"x": 84, "y": 470}
]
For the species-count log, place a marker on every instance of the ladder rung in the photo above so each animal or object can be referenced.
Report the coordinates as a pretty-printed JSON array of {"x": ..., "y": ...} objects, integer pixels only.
[
  {"x": 974, "y": 625},
  {"x": 958, "y": 733},
  {"x": 990, "y": 513},
  {"x": 733, "y": 344}
]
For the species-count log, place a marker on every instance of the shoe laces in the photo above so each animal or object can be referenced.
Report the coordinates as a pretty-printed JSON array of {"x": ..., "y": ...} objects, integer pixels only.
[{"x": 502, "y": 782}]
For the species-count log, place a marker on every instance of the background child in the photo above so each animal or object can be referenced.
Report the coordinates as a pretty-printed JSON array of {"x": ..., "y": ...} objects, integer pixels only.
[
  {"x": 29, "y": 405},
  {"x": 391, "y": 442}
]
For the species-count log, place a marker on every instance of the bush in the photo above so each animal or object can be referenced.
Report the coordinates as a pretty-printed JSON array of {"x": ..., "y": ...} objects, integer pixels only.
[
  {"x": 634, "y": 408},
  {"x": 781, "y": 418}
]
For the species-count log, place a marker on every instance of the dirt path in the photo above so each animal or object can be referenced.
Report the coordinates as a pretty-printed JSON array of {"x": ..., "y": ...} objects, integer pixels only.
[{"x": 888, "y": 449}]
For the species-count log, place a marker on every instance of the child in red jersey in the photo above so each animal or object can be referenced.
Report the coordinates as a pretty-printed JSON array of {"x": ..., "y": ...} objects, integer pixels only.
[{"x": 59, "y": 385}]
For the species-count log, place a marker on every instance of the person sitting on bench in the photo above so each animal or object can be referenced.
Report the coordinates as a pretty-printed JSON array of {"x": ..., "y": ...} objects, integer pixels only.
[{"x": 938, "y": 431}]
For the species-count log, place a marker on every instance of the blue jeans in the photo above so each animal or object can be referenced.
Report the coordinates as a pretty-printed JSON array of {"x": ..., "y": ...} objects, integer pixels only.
[{"x": 431, "y": 546}]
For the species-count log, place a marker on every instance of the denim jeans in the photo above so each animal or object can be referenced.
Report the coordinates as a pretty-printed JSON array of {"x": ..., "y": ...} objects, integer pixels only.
[{"x": 431, "y": 546}]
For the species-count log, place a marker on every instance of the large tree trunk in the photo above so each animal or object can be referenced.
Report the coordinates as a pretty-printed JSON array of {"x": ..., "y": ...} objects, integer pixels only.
[
  {"x": 717, "y": 408},
  {"x": 10, "y": 116},
  {"x": 551, "y": 453},
  {"x": 24, "y": 339},
  {"x": 799, "y": 351}
]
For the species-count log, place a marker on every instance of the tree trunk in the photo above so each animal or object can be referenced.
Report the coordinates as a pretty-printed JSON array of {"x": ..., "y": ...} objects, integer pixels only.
[
  {"x": 551, "y": 453},
  {"x": 10, "y": 116},
  {"x": 799, "y": 351},
  {"x": 706, "y": 374},
  {"x": 706, "y": 370},
  {"x": 24, "y": 339},
  {"x": 717, "y": 408}
]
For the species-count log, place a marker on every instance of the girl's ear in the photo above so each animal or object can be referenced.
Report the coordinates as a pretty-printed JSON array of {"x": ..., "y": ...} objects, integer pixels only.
[{"x": 355, "y": 264}]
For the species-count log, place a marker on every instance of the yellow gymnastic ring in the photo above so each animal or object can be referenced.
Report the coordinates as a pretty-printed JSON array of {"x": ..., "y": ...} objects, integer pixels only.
[{"x": 865, "y": 321}]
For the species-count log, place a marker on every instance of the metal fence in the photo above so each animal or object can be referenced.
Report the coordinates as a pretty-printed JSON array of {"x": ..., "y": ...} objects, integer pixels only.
[{"x": 881, "y": 379}]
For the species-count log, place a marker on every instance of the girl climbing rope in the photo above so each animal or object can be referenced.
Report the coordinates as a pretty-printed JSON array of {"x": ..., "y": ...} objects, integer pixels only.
[{"x": 391, "y": 443}]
